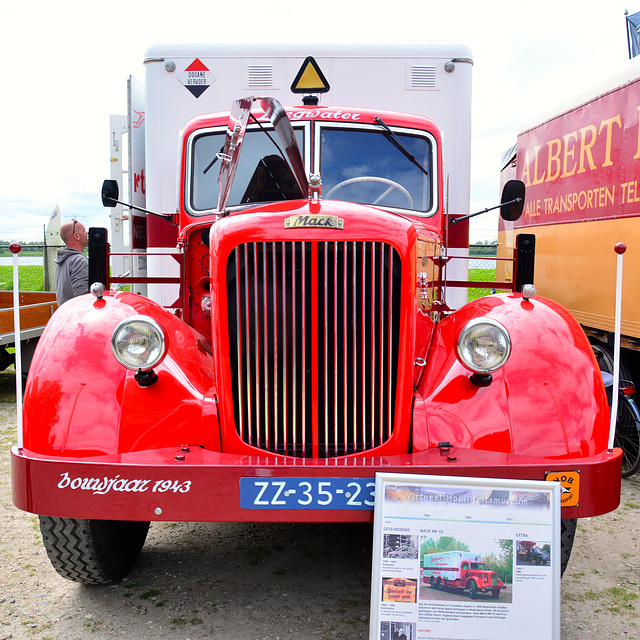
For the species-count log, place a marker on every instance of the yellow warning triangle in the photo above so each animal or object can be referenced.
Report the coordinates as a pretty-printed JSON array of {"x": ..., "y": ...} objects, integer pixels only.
[{"x": 310, "y": 79}]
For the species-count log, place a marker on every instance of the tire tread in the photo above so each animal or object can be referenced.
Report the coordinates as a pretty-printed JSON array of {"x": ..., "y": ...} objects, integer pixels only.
[{"x": 92, "y": 551}]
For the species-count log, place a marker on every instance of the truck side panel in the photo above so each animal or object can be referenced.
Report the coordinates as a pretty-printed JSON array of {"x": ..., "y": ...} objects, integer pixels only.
[
  {"x": 581, "y": 168},
  {"x": 36, "y": 307}
]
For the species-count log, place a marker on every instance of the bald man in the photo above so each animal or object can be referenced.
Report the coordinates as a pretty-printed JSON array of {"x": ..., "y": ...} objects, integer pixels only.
[{"x": 72, "y": 266}]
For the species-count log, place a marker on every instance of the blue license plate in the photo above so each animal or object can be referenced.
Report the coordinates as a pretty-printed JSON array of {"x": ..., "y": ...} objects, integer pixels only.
[{"x": 307, "y": 493}]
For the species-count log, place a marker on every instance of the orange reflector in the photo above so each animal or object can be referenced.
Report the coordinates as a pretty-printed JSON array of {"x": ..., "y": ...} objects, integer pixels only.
[{"x": 310, "y": 79}]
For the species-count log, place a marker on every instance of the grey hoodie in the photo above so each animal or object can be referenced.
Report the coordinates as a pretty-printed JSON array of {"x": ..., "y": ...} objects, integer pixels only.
[{"x": 72, "y": 274}]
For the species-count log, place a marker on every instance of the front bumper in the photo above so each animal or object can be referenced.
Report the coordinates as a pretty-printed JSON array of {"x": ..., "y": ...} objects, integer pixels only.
[{"x": 192, "y": 484}]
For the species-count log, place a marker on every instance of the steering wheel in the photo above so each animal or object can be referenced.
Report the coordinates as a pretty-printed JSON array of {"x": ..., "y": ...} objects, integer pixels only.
[{"x": 392, "y": 186}]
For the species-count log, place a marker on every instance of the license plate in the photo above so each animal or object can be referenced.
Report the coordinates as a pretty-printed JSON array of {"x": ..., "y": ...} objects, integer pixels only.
[{"x": 307, "y": 493}]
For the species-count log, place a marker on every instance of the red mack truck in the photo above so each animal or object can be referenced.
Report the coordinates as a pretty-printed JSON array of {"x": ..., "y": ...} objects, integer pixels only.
[
  {"x": 295, "y": 322},
  {"x": 460, "y": 570}
]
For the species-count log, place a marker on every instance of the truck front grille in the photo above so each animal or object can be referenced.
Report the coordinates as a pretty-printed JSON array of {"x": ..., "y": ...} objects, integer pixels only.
[{"x": 313, "y": 341}]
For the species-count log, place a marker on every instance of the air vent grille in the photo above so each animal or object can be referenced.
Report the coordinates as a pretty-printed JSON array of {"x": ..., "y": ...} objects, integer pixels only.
[
  {"x": 422, "y": 77},
  {"x": 260, "y": 76}
]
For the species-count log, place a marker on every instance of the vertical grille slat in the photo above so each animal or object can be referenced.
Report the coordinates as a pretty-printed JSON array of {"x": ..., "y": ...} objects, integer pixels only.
[
  {"x": 313, "y": 338},
  {"x": 390, "y": 334},
  {"x": 336, "y": 404},
  {"x": 345, "y": 385},
  {"x": 303, "y": 349},
  {"x": 354, "y": 345},
  {"x": 285, "y": 388},
  {"x": 246, "y": 381},
  {"x": 294, "y": 344},
  {"x": 240, "y": 375},
  {"x": 256, "y": 350},
  {"x": 325, "y": 344},
  {"x": 277, "y": 343},
  {"x": 382, "y": 348}
]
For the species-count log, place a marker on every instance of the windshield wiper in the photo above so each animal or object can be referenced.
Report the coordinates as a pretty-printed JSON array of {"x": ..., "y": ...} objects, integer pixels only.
[
  {"x": 275, "y": 144},
  {"x": 393, "y": 138},
  {"x": 217, "y": 156}
]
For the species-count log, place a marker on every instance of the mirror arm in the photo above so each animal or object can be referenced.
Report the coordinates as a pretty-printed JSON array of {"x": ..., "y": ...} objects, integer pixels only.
[
  {"x": 166, "y": 217},
  {"x": 477, "y": 213}
]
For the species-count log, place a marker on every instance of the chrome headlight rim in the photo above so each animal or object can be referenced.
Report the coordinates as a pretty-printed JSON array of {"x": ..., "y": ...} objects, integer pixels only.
[
  {"x": 473, "y": 325},
  {"x": 160, "y": 335}
]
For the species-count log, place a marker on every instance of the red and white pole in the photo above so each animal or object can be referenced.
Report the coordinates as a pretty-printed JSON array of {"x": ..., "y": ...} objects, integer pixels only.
[
  {"x": 620, "y": 248},
  {"x": 15, "y": 248}
]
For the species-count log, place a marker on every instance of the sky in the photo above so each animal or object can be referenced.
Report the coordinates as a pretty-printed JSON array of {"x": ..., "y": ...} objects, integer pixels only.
[{"x": 68, "y": 63}]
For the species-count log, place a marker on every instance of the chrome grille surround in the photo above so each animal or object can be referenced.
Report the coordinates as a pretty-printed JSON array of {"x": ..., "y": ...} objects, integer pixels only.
[{"x": 313, "y": 343}]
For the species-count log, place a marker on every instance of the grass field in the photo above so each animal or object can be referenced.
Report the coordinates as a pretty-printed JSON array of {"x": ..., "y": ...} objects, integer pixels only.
[
  {"x": 480, "y": 275},
  {"x": 31, "y": 278}
]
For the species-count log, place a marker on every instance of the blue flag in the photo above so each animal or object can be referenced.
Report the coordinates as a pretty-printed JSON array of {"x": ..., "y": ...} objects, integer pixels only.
[{"x": 633, "y": 34}]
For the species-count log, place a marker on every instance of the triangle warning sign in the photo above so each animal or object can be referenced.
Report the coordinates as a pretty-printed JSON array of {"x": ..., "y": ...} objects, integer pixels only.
[{"x": 310, "y": 79}]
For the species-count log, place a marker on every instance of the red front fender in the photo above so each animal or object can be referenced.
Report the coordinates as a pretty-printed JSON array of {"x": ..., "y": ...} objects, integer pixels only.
[
  {"x": 548, "y": 400},
  {"x": 79, "y": 401}
]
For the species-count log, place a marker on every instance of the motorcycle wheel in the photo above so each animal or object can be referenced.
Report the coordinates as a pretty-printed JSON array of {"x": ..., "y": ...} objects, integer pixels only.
[{"x": 627, "y": 436}]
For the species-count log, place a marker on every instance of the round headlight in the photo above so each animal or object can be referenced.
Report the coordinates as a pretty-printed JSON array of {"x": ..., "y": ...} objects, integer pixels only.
[
  {"x": 484, "y": 346},
  {"x": 138, "y": 343}
]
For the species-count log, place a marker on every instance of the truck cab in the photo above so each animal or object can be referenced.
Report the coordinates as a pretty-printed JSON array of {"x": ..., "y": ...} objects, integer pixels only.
[
  {"x": 335, "y": 265},
  {"x": 475, "y": 577}
]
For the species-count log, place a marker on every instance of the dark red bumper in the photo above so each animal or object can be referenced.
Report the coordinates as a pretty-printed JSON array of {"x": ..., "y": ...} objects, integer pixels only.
[{"x": 204, "y": 486}]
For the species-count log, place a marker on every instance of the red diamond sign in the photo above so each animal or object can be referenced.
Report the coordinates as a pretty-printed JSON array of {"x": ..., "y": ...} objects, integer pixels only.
[{"x": 197, "y": 78}]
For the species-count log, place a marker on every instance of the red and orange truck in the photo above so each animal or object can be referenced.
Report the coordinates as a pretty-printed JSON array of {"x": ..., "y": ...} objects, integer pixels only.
[{"x": 460, "y": 570}]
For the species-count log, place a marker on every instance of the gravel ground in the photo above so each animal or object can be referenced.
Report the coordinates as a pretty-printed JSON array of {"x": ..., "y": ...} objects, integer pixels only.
[{"x": 269, "y": 581}]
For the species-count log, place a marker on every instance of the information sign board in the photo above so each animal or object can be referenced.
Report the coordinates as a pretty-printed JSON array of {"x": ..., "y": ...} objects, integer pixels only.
[{"x": 465, "y": 559}]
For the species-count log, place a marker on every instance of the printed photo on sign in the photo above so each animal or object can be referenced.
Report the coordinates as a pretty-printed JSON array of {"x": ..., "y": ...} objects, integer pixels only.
[
  {"x": 453, "y": 569},
  {"x": 400, "y": 546},
  {"x": 397, "y": 631},
  {"x": 424, "y": 495},
  {"x": 530, "y": 552},
  {"x": 399, "y": 590}
]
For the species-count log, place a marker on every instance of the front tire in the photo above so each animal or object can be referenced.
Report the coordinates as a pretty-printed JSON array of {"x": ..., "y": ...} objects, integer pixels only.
[
  {"x": 92, "y": 551},
  {"x": 473, "y": 590}
]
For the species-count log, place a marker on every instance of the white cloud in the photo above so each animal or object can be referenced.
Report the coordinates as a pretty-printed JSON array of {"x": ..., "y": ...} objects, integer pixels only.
[{"x": 68, "y": 66}]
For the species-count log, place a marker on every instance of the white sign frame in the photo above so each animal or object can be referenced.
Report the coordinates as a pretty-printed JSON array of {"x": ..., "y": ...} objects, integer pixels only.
[{"x": 479, "y": 512}]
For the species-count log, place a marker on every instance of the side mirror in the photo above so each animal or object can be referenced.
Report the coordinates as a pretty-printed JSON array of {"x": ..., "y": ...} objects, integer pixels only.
[
  {"x": 512, "y": 200},
  {"x": 110, "y": 193}
]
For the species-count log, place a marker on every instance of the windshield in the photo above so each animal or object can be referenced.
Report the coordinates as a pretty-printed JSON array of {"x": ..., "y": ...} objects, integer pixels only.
[
  {"x": 262, "y": 174},
  {"x": 364, "y": 165}
]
